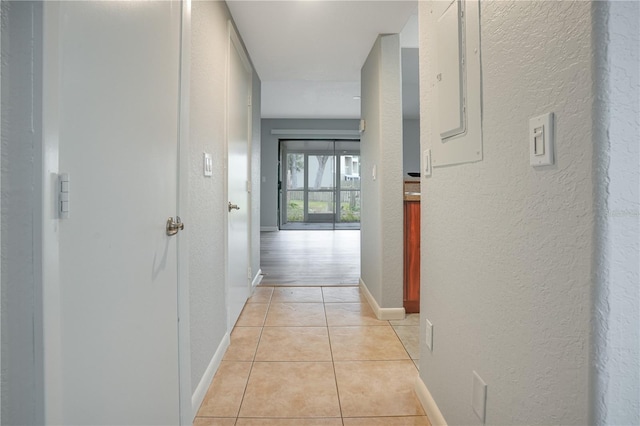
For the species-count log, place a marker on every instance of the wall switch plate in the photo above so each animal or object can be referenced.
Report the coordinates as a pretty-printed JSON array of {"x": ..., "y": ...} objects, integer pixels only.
[
  {"x": 429, "y": 335},
  {"x": 479, "y": 398},
  {"x": 541, "y": 140},
  {"x": 208, "y": 165},
  {"x": 426, "y": 162}
]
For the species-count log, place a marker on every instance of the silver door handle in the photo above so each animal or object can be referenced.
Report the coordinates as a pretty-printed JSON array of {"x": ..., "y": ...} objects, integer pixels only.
[
  {"x": 174, "y": 226},
  {"x": 233, "y": 206}
]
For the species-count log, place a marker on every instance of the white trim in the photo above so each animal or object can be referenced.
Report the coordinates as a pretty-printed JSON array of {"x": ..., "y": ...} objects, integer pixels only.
[
  {"x": 269, "y": 229},
  {"x": 182, "y": 201},
  {"x": 383, "y": 314},
  {"x": 207, "y": 377},
  {"x": 256, "y": 280},
  {"x": 315, "y": 132},
  {"x": 429, "y": 404}
]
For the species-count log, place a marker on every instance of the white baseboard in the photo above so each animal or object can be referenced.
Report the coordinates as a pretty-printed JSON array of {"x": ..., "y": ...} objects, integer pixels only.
[
  {"x": 269, "y": 229},
  {"x": 257, "y": 279},
  {"x": 207, "y": 378},
  {"x": 384, "y": 314},
  {"x": 429, "y": 404}
]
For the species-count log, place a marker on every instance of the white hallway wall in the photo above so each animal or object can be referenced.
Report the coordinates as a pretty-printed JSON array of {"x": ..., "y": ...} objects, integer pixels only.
[
  {"x": 508, "y": 250},
  {"x": 207, "y": 205},
  {"x": 381, "y": 149}
]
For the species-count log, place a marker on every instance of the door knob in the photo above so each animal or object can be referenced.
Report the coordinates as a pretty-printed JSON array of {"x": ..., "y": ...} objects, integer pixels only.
[
  {"x": 174, "y": 226},
  {"x": 233, "y": 206}
]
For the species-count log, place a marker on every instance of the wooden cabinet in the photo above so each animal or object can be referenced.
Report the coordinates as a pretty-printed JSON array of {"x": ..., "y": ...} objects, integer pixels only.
[{"x": 411, "y": 252}]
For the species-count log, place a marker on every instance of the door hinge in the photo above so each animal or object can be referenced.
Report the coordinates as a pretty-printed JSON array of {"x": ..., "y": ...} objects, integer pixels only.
[
  {"x": 63, "y": 196},
  {"x": 249, "y": 272},
  {"x": 249, "y": 101},
  {"x": 248, "y": 186}
]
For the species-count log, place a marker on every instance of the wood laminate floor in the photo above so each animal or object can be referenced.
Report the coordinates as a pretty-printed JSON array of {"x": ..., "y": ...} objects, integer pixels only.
[{"x": 310, "y": 258}]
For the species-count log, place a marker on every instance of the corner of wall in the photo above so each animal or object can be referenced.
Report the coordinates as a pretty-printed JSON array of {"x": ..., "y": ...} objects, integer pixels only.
[
  {"x": 615, "y": 335},
  {"x": 383, "y": 314}
]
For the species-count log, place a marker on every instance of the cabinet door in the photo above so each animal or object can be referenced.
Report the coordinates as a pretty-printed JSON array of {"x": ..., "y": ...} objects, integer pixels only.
[{"x": 412, "y": 256}]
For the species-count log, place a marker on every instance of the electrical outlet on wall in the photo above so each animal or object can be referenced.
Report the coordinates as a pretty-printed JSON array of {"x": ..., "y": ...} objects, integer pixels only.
[
  {"x": 429, "y": 335},
  {"x": 479, "y": 398}
]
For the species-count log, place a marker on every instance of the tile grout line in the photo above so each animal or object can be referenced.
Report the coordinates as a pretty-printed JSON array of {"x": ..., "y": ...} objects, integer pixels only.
[
  {"x": 404, "y": 346},
  {"x": 253, "y": 360},
  {"x": 333, "y": 362}
]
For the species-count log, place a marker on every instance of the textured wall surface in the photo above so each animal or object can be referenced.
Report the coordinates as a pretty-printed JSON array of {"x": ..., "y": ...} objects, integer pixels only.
[
  {"x": 410, "y": 146},
  {"x": 616, "y": 306},
  {"x": 21, "y": 58},
  {"x": 209, "y": 44},
  {"x": 269, "y": 157},
  {"x": 507, "y": 249},
  {"x": 208, "y": 207},
  {"x": 381, "y": 148}
]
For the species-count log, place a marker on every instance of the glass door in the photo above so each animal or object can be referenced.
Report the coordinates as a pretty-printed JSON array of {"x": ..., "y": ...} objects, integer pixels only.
[
  {"x": 320, "y": 184},
  {"x": 349, "y": 189},
  {"x": 321, "y": 188},
  {"x": 294, "y": 203}
]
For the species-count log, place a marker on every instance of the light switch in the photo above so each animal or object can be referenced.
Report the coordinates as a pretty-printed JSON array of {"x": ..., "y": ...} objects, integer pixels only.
[
  {"x": 426, "y": 162},
  {"x": 208, "y": 165},
  {"x": 541, "y": 140}
]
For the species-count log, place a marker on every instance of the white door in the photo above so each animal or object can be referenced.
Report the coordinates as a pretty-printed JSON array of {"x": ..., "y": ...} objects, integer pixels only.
[
  {"x": 118, "y": 128},
  {"x": 238, "y": 131}
]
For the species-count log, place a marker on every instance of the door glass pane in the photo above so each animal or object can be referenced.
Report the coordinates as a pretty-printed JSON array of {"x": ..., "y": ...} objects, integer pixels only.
[
  {"x": 321, "y": 171},
  {"x": 294, "y": 187},
  {"x": 349, "y": 188},
  {"x": 321, "y": 202},
  {"x": 295, "y": 171},
  {"x": 295, "y": 206},
  {"x": 350, "y": 206},
  {"x": 350, "y": 172}
]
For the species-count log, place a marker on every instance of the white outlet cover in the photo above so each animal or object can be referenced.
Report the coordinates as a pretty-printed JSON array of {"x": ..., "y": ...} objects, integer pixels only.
[
  {"x": 429, "y": 335},
  {"x": 479, "y": 398}
]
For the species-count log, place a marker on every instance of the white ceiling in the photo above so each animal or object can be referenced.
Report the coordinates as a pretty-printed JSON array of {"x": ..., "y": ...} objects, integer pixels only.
[{"x": 308, "y": 53}]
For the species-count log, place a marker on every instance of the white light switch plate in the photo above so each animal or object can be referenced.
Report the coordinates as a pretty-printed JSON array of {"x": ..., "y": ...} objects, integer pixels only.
[
  {"x": 541, "y": 140},
  {"x": 208, "y": 165}
]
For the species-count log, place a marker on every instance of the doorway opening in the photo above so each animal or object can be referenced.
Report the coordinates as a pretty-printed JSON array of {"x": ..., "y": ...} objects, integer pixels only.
[{"x": 319, "y": 184}]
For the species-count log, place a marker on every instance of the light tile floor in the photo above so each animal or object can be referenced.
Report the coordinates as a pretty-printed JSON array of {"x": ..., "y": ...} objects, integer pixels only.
[{"x": 315, "y": 356}]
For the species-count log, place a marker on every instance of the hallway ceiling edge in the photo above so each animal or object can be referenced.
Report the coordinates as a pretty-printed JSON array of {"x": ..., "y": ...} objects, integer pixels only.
[{"x": 309, "y": 53}]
